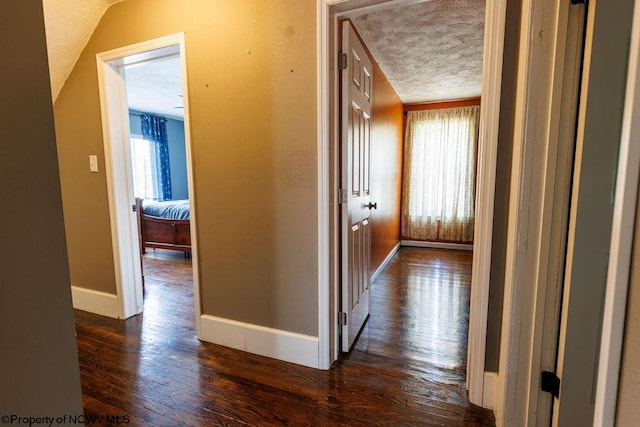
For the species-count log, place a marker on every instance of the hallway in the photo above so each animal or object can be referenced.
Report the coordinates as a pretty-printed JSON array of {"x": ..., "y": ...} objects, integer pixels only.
[{"x": 407, "y": 367}]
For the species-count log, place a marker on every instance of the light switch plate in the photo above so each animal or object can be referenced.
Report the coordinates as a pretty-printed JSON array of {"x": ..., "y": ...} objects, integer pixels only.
[{"x": 93, "y": 163}]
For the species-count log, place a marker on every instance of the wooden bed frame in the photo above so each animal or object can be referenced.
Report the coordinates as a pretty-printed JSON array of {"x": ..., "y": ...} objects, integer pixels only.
[{"x": 154, "y": 232}]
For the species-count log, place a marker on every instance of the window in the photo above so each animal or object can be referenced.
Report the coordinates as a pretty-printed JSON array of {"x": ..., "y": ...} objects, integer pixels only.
[
  {"x": 150, "y": 158},
  {"x": 144, "y": 169},
  {"x": 439, "y": 174}
]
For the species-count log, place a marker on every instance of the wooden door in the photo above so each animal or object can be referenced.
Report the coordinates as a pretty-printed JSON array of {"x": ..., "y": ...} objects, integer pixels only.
[{"x": 355, "y": 194}]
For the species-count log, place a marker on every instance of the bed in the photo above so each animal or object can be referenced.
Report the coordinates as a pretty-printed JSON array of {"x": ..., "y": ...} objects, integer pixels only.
[{"x": 164, "y": 225}]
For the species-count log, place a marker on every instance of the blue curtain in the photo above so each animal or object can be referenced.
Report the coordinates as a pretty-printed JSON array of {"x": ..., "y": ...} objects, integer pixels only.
[{"x": 154, "y": 129}]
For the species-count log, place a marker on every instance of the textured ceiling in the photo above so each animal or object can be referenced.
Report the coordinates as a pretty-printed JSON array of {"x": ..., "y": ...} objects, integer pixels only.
[
  {"x": 430, "y": 51},
  {"x": 69, "y": 25},
  {"x": 156, "y": 87}
]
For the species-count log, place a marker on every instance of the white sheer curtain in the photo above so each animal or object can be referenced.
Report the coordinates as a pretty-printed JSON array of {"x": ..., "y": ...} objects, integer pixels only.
[
  {"x": 439, "y": 174},
  {"x": 145, "y": 182}
]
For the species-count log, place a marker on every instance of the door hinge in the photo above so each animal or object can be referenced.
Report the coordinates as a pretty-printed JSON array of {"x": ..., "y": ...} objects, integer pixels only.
[
  {"x": 342, "y": 319},
  {"x": 342, "y": 196},
  {"x": 550, "y": 383},
  {"x": 343, "y": 61},
  {"x": 134, "y": 208}
]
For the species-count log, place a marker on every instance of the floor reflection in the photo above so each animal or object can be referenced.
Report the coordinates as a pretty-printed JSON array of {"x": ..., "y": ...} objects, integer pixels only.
[
  {"x": 420, "y": 308},
  {"x": 406, "y": 368}
]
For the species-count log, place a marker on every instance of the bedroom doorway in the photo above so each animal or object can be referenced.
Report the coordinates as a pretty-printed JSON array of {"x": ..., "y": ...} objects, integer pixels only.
[
  {"x": 331, "y": 12},
  {"x": 159, "y": 172},
  {"x": 145, "y": 117}
]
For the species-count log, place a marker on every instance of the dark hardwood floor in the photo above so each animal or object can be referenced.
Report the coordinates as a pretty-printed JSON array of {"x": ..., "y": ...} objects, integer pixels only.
[{"x": 407, "y": 367}]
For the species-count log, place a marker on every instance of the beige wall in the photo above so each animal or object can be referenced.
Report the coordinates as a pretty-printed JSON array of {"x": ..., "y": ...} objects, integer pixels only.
[
  {"x": 628, "y": 412},
  {"x": 252, "y": 75},
  {"x": 386, "y": 167},
  {"x": 38, "y": 355},
  {"x": 253, "y": 118}
]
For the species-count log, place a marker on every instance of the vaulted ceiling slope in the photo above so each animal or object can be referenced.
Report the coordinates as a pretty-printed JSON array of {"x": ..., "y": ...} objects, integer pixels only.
[
  {"x": 69, "y": 25},
  {"x": 429, "y": 51}
]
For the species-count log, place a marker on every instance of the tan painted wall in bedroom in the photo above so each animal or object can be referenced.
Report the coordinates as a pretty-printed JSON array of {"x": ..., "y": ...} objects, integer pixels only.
[{"x": 252, "y": 76}]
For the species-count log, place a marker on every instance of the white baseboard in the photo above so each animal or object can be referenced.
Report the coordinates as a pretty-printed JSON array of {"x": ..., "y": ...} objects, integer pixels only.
[
  {"x": 95, "y": 302},
  {"x": 437, "y": 245},
  {"x": 386, "y": 261},
  {"x": 489, "y": 389},
  {"x": 275, "y": 343}
]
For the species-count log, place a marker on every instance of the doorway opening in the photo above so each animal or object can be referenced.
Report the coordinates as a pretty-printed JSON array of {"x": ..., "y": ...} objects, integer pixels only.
[
  {"x": 145, "y": 115},
  {"x": 159, "y": 171},
  {"x": 331, "y": 13}
]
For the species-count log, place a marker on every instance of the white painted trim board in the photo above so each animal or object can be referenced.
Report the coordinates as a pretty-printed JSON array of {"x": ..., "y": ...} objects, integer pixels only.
[
  {"x": 124, "y": 226},
  {"x": 96, "y": 302},
  {"x": 386, "y": 262},
  {"x": 489, "y": 394},
  {"x": 325, "y": 356},
  {"x": 275, "y": 343},
  {"x": 438, "y": 245},
  {"x": 495, "y": 21}
]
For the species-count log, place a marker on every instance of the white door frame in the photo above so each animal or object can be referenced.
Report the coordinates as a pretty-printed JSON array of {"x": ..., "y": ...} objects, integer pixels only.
[
  {"x": 328, "y": 169},
  {"x": 545, "y": 74},
  {"x": 622, "y": 233},
  {"x": 115, "y": 128}
]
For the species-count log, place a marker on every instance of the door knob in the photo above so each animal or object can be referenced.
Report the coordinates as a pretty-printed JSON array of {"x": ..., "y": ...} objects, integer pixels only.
[{"x": 371, "y": 205}]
